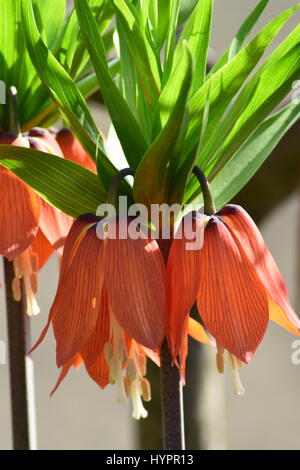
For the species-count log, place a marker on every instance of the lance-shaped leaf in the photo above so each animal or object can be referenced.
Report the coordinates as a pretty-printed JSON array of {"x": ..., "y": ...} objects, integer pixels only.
[
  {"x": 241, "y": 36},
  {"x": 153, "y": 178},
  {"x": 142, "y": 54},
  {"x": 196, "y": 34},
  {"x": 66, "y": 95},
  {"x": 259, "y": 97},
  {"x": 225, "y": 84},
  {"x": 56, "y": 79},
  {"x": 50, "y": 25},
  {"x": 70, "y": 187},
  {"x": 240, "y": 169},
  {"x": 125, "y": 124}
]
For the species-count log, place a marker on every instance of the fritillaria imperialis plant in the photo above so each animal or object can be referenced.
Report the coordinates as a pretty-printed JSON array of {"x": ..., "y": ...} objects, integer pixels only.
[{"x": 121, "y": 300}]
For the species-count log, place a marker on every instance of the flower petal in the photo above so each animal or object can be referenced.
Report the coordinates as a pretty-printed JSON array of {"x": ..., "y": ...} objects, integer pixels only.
[
  {"x": 231, "y": 301},
  {"x": 75, "y": 362},
  {"x": 19, "y": 208},
  {"x": 72, "y": 149},
  {"x": 55, "y": 225},
  {"x": 243, "y": 227},
  {"x": 197, "y": 332},
  {"x": 183, "y": 279},
  {"x": 134, "y": 273},
  {"x": 76, "y": 305},
  {"x": 42, "y": 248},
  {"x": 99, "y": 371},
  {"x": 78, "y": 229},
  {"x": 95, "y": 344},
  {"x": 45, "y": 140}
]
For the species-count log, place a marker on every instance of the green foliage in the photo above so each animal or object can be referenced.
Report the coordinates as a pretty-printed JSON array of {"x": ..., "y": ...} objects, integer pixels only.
[
  {"x": 62, "y": 183},
  {"x": 150, "y": 65}
]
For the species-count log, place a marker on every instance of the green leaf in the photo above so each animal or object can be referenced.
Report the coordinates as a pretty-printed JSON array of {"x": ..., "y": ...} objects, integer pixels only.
[
  {"x": 15, "y": 67},
  {"x": 173, "y": 13},
  {"x": 66, "y": 95},
  {"x": 60, "y": 85},
  {"x": 246, "y": 28},
  {"x": 126, "y": 126},
  {"x": 259, "y": 97},
  {"x": 186, "y": 8},
  {"x": 252, "y": 155},
  {"x": 50, "y": 24},
  {"x": 144, "y": 58},
  {"x": 241, "y": 36},
  {"x": 70, "y": 187},
  {"x": 196, "y": 34},
  {"x": 153, "y": 179},
  {"x": 227, "y": 81}
]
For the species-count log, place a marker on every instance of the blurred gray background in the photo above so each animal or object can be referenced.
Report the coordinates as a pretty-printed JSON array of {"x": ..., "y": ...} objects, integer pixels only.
[{"x": 81, "y": 416}]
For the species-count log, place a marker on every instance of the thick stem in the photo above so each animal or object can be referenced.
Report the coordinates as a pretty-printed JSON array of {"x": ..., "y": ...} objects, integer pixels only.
[
  {"x": 171, "y": 389},
  {"x": 114, "y": 185},
  {"x": 20, "y": 367},
  {"x": 209, "y": 207},
  {"x": 171, "y": 402}
]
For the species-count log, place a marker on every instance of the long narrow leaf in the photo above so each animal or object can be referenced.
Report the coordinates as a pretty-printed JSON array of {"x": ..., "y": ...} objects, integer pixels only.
[
  {"x": 64, "y": 184},
  {"x": 224, "y": 84},
  {"x": 153, "y": 178},
  {"x": 126, "y": 126},
  {"x": 142, "y": 54},
  {"x": 252, "y": 155}
]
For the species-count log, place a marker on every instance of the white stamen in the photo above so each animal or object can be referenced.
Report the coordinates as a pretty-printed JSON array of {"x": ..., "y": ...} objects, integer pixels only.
[
  {"x": 138, "y": 408},
  {"x": 237, "y": 384},
  {"x": 25, "y": 267}
]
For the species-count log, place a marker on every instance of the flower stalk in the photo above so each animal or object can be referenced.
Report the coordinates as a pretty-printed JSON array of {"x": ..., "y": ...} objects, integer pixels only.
[
  {"x": 20, "y": 365},
  {"x": 171, "y": 402},
  {"x": 209, "y": 206}
]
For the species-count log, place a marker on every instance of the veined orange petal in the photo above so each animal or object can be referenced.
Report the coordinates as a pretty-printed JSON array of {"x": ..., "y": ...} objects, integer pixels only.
[
  {"x": 196, "y": 331},
  {"x": 42, "y": 248},
  {"x": 72, "y": 149},
  {"x": 183, "y": 280},
  {"x": 75, "y": 362},
  {"x": 231, "y": 301},
  {"x": 78, "y": 229},
  {"x": 76, "y": 305},
  {"x": 95, "y": 344},
  {"x": 99, "y": 371},
  {"x": 134, "y": 273},
  {"x": 250, "y": 238},
  {"x": 19, "y": 208},
  {"x": 55, "y": 225}
]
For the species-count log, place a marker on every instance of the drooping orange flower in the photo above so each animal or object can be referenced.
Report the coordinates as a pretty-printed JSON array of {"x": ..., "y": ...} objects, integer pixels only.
[
  {"x": 109, "y": 308},
  {"x": 235, "y": 283},
  {"x": 31, "y": 229},
  {"x": 72, "y": 149}
]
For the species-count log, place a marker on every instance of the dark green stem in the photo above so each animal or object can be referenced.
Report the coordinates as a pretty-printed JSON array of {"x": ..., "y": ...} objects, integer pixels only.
[
  {"x": 20, "y": 367},
  {"x": 114, "y": 185},
  {"x": 209, "y": 207}
]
